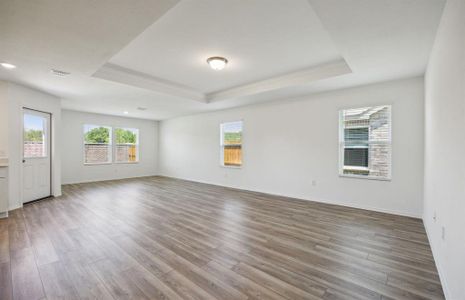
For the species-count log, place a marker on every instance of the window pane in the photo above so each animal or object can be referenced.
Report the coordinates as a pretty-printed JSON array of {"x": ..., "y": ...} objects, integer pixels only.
[
  {"x": 232, "y": 133},
  {"x": 97, "y": 144},
  {"x": 96, "y": 134},
  {"x": 356, "y": 134},
  {"x": 366, "y": 141},
  {"x": 126, "y": 135},
  {"x": 356, "y": 157},
  {"x": 231, "y": 142},
  {"x": 97, "y": 153},
  {"x": 34, "y": 136},
  {"x": 127, "y": 140},
  {"x": 232, "y": 155},
  {"x": 380, "y": 159}
]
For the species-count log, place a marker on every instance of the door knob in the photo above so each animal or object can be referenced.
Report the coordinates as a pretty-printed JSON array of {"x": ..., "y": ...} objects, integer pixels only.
[{"x": 24, "y": 160}]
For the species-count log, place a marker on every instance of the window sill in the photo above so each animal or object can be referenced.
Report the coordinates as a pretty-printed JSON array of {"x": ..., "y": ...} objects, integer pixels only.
[
  {"x": 111, "y": 163},
  {"x": 231, "y": 167},
  {"x": 365, "y": 177}
]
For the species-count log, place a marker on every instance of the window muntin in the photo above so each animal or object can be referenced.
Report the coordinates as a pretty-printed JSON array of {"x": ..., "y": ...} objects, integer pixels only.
[
  {"x": 35, "y": 136},
  {"x": 127, "y": 145},
  {"x": 231, "y": 144},
  {"x": 97, "y": 144},
  {"x": 365, "y": 142}
]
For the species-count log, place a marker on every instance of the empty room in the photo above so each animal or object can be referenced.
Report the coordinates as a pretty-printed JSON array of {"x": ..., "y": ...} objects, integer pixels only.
[{"x": 233, "y": 149}]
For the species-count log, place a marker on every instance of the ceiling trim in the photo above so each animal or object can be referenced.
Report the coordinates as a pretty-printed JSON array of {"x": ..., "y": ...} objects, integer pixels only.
[
  {"x": 306, "y": 76},
  {"x": 130, "y": 77}
]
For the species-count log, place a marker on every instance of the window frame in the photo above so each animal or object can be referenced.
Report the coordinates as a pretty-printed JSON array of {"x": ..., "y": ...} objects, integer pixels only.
[
  {"x": 367, "y": 168},
  {"x": 341, "y": 144},
  {"x": 136, "y": 144},
  {"x": 222, "y": 146},
  {"x": 110, "y": 155}
]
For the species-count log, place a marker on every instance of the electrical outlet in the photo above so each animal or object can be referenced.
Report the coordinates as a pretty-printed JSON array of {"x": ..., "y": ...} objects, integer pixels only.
[
  {"x": 443, "y": 233},
  {"x": 313, "y": 182}
]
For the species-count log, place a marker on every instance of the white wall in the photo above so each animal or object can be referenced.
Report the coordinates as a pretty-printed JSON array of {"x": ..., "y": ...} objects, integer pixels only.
[
  {"x": 445, "y": 149},
  {"x": 3, "y": 118},
  {"x": 74, "y": 169},
  {"x": 17, "y": 97},
  {"x": 3, "y": 148},
  {"x": 290, "y": 143}
]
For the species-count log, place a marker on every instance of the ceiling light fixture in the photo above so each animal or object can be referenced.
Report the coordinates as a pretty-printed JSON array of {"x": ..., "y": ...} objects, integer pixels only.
[
  {"x": 217, "y": 62},
  {"x": 8, "y": 66},
  {"x": 125, "y": 112}
]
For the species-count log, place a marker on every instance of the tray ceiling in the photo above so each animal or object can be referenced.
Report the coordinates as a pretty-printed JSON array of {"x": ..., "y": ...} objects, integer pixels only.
[{"x": 124, "y": 54}]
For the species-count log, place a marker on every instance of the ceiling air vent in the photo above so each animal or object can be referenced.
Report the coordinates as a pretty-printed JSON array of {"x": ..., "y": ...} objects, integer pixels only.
[
  {"x": 142, "y": 108},
  {"x": 59, "y": 73}
]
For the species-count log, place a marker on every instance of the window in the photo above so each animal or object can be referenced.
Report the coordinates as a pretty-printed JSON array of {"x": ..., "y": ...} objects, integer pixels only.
[
  {"x": 356, "y": 148},
  {"x": 97, "y": 144},
  {"x": 231, "y": 144},
  {"x": 34, "y": 136},
  {"x": 365, "y": 142},
  {"x": 127, "y": 145}
]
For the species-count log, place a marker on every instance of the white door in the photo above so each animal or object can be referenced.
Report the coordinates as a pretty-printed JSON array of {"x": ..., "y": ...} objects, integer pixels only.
[{"x": 36, "y": 155}]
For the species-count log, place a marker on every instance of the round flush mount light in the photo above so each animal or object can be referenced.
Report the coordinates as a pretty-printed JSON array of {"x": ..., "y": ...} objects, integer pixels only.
[
  {"x": 7, "y": 66},
  {"x": 125, "y": 112},
  {"x": 217, "y": 62}
]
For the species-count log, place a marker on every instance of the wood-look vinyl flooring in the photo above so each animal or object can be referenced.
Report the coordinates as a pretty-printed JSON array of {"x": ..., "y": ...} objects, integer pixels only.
[{"x": 161, "y": 238}]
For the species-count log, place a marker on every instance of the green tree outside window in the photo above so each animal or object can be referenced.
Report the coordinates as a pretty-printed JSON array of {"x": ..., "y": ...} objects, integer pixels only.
[
  {"x": 124, "y": 136},
  {"x": 232, "y": 138},
  {"x": 98, "y": 135},
  {"x": 33, "y": 135}
]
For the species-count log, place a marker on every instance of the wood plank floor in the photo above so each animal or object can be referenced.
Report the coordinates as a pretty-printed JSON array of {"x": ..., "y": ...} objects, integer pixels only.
[{"x": 160, "y": 238}]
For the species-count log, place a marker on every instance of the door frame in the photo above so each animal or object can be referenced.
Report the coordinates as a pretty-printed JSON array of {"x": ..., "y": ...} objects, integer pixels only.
[{"x": 50, "y": 152}]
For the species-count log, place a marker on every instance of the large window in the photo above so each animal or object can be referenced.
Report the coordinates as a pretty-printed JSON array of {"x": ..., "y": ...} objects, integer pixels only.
[
  {"x": 231, "y": 144},
  {"x": 365, "y": 142},
  {"x": 97, "y": 144},
  {"x": 127, "y": 145}
]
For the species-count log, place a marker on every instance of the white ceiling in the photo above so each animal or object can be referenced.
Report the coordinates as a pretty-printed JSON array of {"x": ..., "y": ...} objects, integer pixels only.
[
  {"x": 125, "y": 54},
  {"x": 260, "y": 38}
]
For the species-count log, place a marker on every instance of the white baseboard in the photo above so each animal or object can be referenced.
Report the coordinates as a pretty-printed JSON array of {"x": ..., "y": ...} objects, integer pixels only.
[
  {"x": 3, "y": 215},
  {"x": 376, "y": 209},
  {"x": 320, "y": 200},
  {"x": 14, "y": 207},
  {"x": 445, "y": 287},
  {"x": 104, "y": 179}
]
